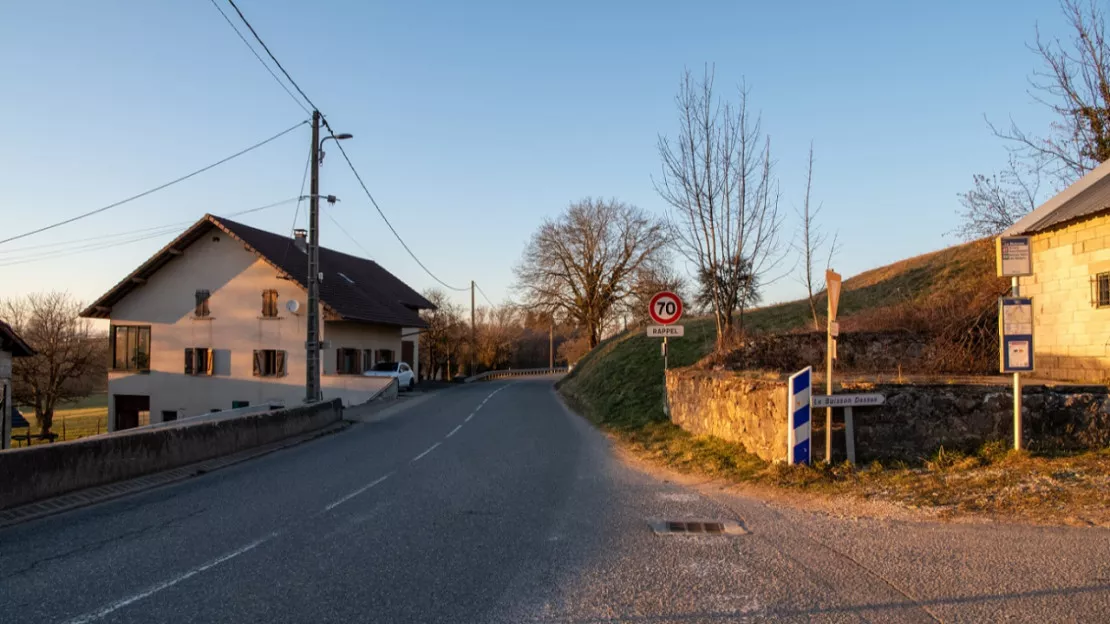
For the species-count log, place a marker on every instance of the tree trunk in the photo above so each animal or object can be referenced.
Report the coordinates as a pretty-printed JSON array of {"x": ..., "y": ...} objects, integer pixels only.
[{"x": 46, "y": 420}]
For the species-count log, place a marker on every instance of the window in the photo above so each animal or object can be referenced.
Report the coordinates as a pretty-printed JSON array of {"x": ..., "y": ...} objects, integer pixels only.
[
  {"x": 198, "y": 361},
  {"x": 385, "y": 355},
  {"x": 385, "y": 367},
  {"x": 367, "y": 359},
  {"x": 239, "y": 404},
  {"x": 169, "y": 415},
  {"x": 130, "y": 347},
  {"x": 201, "y": 310},
  {"x": 269, "y": 304},
  {"x": 348, "y": 362},
  {"x": 1101, "y": 284},
  {"x": 269, "y": 363}
]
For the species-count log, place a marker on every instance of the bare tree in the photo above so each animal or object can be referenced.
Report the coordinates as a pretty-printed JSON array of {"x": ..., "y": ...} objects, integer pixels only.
[
  {"x": 646, "y": 283},
  {"x": 442, "y": 342},
  {"x": 71, "y": 359},
  {"x": 810, "y": 242},
  {"x": 1074, "y": 83},
  {"x": 717, "y": 178},
  {"x": 997, "y": 201},
  {"x": 581, "y": 265}
]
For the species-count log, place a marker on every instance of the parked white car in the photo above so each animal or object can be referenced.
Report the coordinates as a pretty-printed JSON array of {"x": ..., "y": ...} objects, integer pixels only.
[{"x": 397, "y": 370}]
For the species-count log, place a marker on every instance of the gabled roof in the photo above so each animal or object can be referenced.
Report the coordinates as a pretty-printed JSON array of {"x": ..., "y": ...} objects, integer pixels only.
[
  {"x": 353, "y": 288},
  {"x": 1086, "y": 196},
  {"x": 11, "y": 342}
]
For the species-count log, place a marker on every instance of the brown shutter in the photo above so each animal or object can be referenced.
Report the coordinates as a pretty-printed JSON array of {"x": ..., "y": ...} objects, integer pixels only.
[
  {"x": 257, "y": 363},
  {"x": 211, "y": 357},
  {"x": 188, "y": 361},
  {"x": 279, "y": 363}
]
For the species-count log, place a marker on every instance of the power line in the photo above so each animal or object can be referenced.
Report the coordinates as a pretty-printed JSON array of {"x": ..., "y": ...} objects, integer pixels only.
[
  {"x": 146, "y": 234},
  {"x": 255, "y": 53},
  {"x": 347, "y": 234},
  {"x": 386, "y": 219},
  {"x": 155, "y": 189},
  {"x": 484, "y": 295},
  {"x": 271, "y": 54},
  {"x": 341, "y": 151}
]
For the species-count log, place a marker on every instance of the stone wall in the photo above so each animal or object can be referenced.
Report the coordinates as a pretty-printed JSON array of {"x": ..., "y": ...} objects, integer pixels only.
[
  {"x": 916, "y": 420},
  {"x": 730, "y": 406},
  {"x": 1071, "y": 336}
]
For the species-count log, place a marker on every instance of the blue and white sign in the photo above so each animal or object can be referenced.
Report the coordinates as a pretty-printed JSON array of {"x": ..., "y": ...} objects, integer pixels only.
[
  {"x": 798, "y": 416},
  {"x": 1016, "y": 323}
]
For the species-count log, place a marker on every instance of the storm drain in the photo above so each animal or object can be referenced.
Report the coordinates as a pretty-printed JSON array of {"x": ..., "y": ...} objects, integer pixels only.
[{"x": 697, "y": 528}]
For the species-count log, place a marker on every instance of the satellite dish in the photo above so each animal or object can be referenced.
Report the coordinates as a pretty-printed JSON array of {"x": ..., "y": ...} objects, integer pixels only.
[{"x": 292, "y": 305}]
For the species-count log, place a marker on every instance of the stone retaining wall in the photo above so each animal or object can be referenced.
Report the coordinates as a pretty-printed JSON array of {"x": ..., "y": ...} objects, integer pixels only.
[{"x": 916, "y": 420}]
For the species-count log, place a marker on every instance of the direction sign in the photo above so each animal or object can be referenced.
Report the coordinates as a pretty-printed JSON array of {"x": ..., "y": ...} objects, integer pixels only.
[
  {"x": 665, "y": 308},
  {"x": 847, "y": 400},
  {"x": 832, "y": 284},
  {"x": 665, "y": 331}
]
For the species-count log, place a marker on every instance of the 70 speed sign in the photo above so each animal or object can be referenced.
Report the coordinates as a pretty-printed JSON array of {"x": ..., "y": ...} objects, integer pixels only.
[{"x": 665, "y": 308}]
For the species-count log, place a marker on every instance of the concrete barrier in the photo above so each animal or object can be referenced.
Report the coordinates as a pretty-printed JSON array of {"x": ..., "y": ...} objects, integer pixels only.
[
  {"x": 37, "y": 472},
  {"x": 520, "y": 372}
]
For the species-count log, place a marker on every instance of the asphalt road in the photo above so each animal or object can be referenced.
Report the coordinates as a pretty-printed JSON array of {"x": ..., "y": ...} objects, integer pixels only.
[{"x": 492, "y": 503}]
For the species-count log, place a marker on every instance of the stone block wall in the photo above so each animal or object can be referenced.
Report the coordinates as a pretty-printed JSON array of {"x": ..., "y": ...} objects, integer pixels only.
[
  {"x": 1071, "y": 335},
  {"x": 915, "y": 421},
  {"x": 732, "y": 407}
]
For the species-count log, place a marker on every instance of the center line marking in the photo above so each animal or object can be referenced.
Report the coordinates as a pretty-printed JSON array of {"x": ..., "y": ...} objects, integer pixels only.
[
  {"x": 356, "y": 492},
  {"x": 469, "y": 417},
  {"x": 115, "y": 606},
  {"x": 433, "y": 447},
  {"x": 453, "y": 431}
]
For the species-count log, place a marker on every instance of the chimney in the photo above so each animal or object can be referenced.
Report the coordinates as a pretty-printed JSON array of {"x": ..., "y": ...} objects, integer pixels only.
[{"x": 300, "y": 239}]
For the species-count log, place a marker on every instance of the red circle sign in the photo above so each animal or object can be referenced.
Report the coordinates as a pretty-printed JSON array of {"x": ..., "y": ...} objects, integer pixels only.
[{"x": 665, "y": 308}]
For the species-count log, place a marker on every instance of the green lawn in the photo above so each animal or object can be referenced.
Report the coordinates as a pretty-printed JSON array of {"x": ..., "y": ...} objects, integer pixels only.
[{"x": 81, "y": 418}]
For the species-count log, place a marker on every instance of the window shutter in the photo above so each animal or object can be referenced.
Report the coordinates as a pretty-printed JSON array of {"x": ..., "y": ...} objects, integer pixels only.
[
  {"x": 188, "y": 361},
  {"x": 279, "y": 363},
  {"x": 339, "y": 362},
  {"x": 210, "y": 360},
  {"x": 367, "y": 359},
  {"x": 257, "y": 363}
]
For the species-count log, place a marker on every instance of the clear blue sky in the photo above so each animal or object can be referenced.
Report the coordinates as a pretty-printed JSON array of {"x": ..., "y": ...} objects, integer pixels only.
[{"x": 473, "y": 121}]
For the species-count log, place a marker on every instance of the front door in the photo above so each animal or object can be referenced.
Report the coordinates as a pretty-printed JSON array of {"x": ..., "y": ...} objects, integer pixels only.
[
  {"x": 130, "y": 410},
  {"x": 407, "y": 352}
]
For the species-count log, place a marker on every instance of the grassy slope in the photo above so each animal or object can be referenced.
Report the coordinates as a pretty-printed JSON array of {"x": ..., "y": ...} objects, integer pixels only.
[{"x": 619, "y": 385}]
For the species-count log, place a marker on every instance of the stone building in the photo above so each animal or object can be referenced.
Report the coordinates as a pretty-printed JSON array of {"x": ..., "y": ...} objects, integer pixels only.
[{"x": 1070, "y": 285}]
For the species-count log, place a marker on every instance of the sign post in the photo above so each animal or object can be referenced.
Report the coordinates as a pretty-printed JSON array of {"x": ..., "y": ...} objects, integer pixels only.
[
  {"x": 798, "y": 416},
  {"x": 832, "y": 285},
  {"x": 1014, "y": 259}
]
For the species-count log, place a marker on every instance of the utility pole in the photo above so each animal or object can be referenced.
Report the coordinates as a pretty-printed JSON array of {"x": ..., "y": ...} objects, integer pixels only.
[
  {"x": 312, "y": 338},
  {"x": 473, "y": 333},
  {"x": 551, "y": 343}
]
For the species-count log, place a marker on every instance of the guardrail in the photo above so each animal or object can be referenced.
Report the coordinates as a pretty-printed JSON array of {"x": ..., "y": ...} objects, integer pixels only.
[{"x": 520, "y": 372}]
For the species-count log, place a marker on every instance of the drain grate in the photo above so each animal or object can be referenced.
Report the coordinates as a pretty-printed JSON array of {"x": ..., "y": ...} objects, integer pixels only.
[{"x": 697, "y": 527}]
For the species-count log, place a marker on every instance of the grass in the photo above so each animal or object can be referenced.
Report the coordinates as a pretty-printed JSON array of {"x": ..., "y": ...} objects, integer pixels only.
[
  {"x": 79, "y": 419},
  {"x": 619, "y": 386}
]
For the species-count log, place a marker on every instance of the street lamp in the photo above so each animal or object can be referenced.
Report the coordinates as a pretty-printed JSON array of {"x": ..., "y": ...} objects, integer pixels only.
[{"x": 343, "y": 136}]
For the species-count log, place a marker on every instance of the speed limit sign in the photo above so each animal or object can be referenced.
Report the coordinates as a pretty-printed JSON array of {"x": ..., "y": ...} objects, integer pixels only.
[{"x": 665, "y": 308}]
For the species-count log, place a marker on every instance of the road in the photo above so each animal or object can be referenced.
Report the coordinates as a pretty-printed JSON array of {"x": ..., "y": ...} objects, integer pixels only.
[{"x": 492, "y": 503}]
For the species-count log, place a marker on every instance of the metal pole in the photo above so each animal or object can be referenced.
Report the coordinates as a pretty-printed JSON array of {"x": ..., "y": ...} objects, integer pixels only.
[
  {"x": 551, "y": 343},
  {"x": 1017, "y": 381},
  {"x": 473, "y": 332},
  {"x": 666, "y": 352},
  {"x": 828, "y": 390},
  {"x": 312, "y": 338}
]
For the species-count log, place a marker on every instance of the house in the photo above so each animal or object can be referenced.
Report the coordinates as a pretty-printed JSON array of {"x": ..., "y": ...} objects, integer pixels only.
[
  {"x": 11, "y": 346},
  {"x": 1070, "y": 285},
  {"x": 216, "y": 320}
]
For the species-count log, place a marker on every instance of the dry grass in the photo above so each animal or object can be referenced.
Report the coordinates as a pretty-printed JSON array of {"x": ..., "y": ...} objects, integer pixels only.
[{"x": 78, "y": 420}]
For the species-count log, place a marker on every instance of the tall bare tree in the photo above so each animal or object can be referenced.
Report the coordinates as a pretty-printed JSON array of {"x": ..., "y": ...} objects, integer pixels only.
[
  {"x": 1074, "y": 83},
  {"x": 582, "y": 264},
  {"x": 997, "y": 201},
  {"x": 810, "y": 243},
  {"x": 442, "y": 342},
  {"x": 71, "y": 359},
  {"x": 717, "y": 179}
]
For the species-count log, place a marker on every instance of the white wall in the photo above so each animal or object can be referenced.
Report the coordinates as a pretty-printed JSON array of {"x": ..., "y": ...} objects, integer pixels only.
[{"x": 235, "y": 328}]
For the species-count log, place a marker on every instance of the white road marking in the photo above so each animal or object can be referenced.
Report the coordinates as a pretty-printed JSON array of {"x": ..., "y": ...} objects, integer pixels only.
[
  {"x": 356, "y": 492},
  {"x": 470, "y": 416},
  {"x": 454, "y": 431},
  {"x": 433, "y": 447},
  {"x": 115, "y": 606}
]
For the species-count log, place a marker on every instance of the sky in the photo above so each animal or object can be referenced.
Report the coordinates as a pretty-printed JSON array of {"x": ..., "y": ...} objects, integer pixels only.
[{"x": 473, "y": 122}]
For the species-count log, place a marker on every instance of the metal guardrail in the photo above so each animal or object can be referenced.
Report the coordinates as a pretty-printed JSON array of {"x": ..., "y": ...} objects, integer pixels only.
[{"x": 520, "y": 372}]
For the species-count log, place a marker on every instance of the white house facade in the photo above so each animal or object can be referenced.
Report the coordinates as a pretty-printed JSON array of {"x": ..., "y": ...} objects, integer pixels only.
[{"x": 216, "y": 320}]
